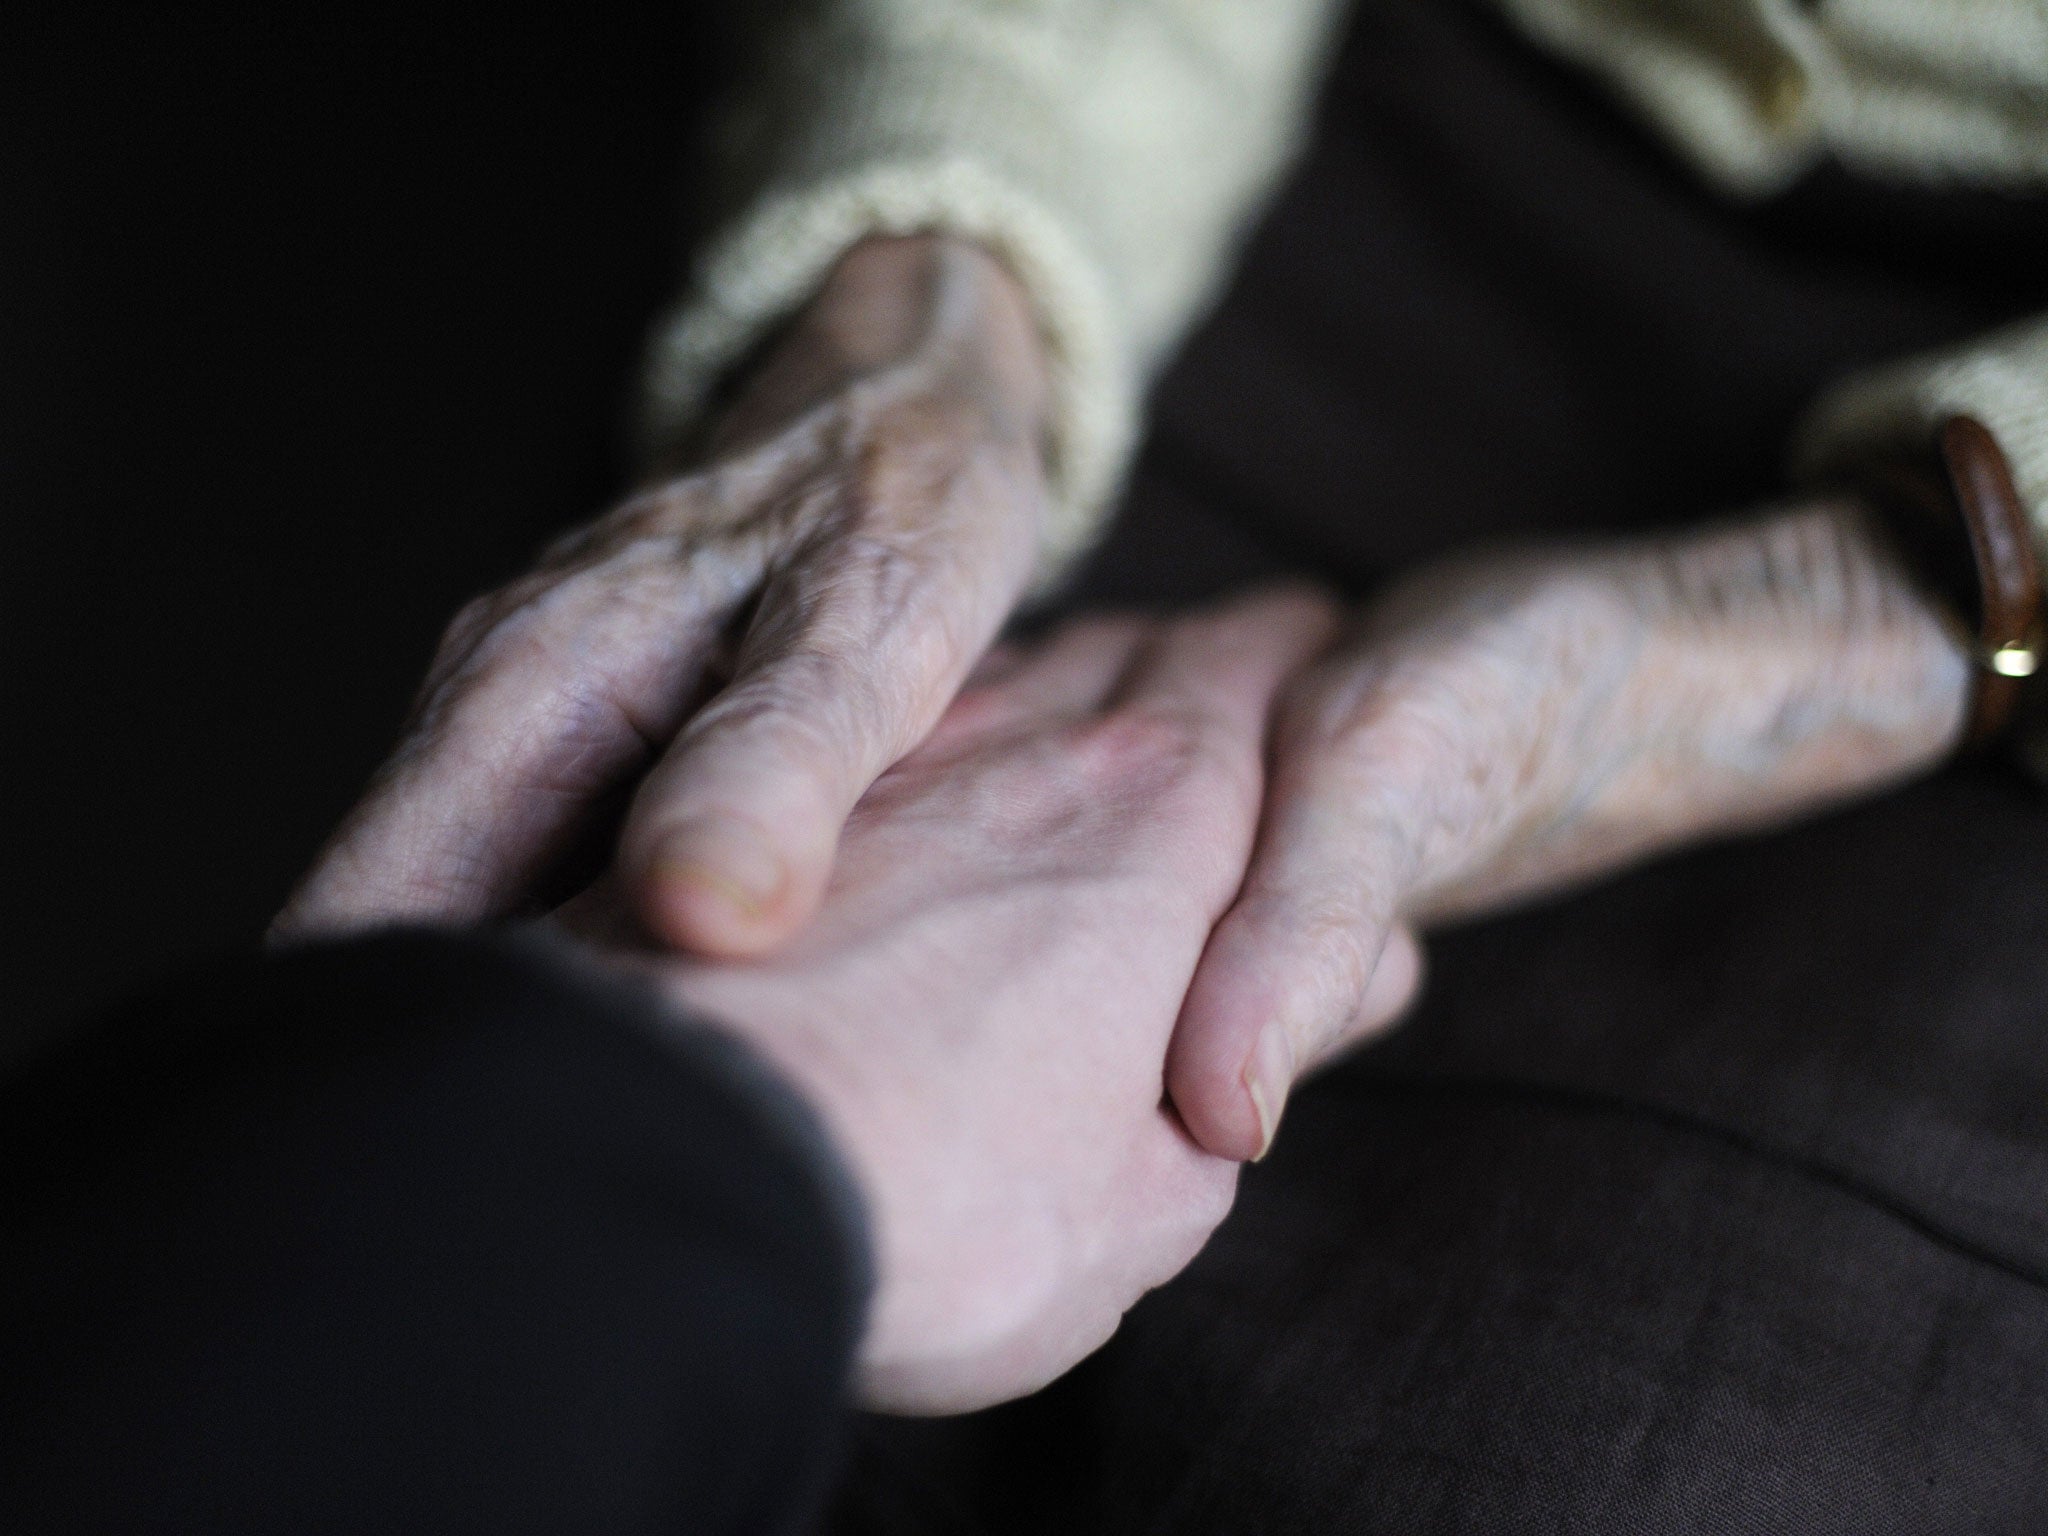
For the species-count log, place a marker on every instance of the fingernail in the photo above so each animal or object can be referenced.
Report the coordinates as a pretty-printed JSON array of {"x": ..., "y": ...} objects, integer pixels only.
[
  {"x": 1266, "y": 1078},
  {"x": 724, "y": 857}
]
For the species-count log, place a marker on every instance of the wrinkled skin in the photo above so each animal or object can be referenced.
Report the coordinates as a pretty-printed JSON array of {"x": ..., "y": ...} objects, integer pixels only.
[
  {"x": 1496, "y": 728},
  {"x": 981, "y": 1006},
  {"x": 864, "y": 522}
]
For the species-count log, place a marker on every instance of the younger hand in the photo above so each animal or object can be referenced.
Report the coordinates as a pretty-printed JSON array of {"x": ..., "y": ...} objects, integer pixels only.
[{"x": 981, "y": 1008}]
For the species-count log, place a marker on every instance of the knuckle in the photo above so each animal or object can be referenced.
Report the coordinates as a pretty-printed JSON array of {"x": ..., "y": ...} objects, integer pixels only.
[
  {"x": 891, "y": 597},
  {"x": 484, "y": 623},
  {"x": 847, "y": 693},
  {"x": 656, "y": 511},
  {"x": 470, "y": 623},
  {"x": 514, "y": 691},
  {"x": 457, "y": 884},
  {"x": 1343, "y": 960},
  {"x": 876, "y": 583},
  {"x": 1337, "y": 944},
  {"x": 1192, "y": 752},
  {"x": 1368, "y": 736},
  {"x": 1139, "y": 747},
  {"x": 878, "y": 685},
  {"x": 567, "y": 624},
  {"x": 577, "y": 545},
  {"x": 648, "y": 525},
  {"x": 582, "y": 656},
  {"x": 1166, "y": 757},
  {"x": 777, "y": 719},
  {"x": 577, "y": 739},
  {"x": 520, "y": 644}
]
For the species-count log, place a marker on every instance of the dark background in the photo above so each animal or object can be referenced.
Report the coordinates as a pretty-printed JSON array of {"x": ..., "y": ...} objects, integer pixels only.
[{"x": 307, "y": 331}]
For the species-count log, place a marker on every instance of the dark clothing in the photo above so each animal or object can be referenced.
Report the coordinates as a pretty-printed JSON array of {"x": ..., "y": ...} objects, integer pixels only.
[
  {"x": 418, "y": 1233},
  {"x": 1712, "y": 1200}
]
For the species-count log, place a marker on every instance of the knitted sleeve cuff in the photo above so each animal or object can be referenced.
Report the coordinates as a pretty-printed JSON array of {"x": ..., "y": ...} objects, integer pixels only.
[{"x": 2001, "y": 380}]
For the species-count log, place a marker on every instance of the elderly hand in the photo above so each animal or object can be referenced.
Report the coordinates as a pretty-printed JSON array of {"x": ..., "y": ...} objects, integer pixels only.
[
  {"x": 981, "y": 1007},
  {"x": 876, "y": 497},
  {"x": 1494, "y": 729}
]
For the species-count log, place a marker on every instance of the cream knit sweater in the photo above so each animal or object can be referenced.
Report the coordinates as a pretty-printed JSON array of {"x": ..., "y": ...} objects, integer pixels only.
[{"x": 1113, "y": 152}]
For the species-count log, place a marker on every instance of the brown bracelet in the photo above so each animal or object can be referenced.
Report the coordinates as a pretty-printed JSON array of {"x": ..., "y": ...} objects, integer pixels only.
[
  {"x": 1991, "y": 578},
  {"x": 2009, "y": 635}
]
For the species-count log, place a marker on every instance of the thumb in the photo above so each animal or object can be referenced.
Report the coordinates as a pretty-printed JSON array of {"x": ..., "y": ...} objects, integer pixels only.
[{"x": 1273, "y": 1000}]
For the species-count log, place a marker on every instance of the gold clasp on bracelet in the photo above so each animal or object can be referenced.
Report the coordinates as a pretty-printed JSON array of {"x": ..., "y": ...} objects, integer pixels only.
[{"x": 2019, "y": 659}]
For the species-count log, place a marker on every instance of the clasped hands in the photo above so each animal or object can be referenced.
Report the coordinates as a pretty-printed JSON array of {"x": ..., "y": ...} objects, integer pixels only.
[{"x": 1046, "y": 934}]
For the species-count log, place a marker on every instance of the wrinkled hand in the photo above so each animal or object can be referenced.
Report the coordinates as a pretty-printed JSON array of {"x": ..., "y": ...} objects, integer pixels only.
[
  {"x": 1494, "y": 729},
  {"x": 981, "y": 1007},
  {"x": 876, "y": 496}
]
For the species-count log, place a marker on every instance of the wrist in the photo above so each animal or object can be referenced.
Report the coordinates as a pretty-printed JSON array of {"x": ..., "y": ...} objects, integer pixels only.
[
  {"x": 1799, "y": 644},
  {"x": 927, "y": 316},
  {"x": 1949, "y": 512},
  {"x": 820, "y": 1061},
  {"x": 773, "y": 1019},
  {"x": 1657, "y": 693},
  {"x": 1499, "y": 708},
  {"x": 949, "y": 304},
  {"x": 1786, "y": 662}
]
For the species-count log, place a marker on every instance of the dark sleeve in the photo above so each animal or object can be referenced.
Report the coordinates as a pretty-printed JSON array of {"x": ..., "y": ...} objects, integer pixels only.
[{"x": 416, "y": 1233}]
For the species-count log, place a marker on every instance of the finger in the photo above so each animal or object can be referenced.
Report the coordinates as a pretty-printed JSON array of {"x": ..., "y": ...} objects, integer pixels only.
[
  {"x": 1001, "y": 660},
  {"x": 1396, "y": 981},
  {"x": 538, "y": 708},
  {"x": 853, "y": 657},
  {"x": 1224, "y": 666},
  {"x": 1308, "y": 959},
  {"x": 1062, "y": 676}
]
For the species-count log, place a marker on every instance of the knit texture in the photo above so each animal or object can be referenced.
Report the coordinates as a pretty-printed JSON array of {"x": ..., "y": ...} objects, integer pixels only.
[
  {"x": 1754, "y": 92},
  {"x": 1112, "y": 151},
  {"x": 2002, "y": 380}
]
